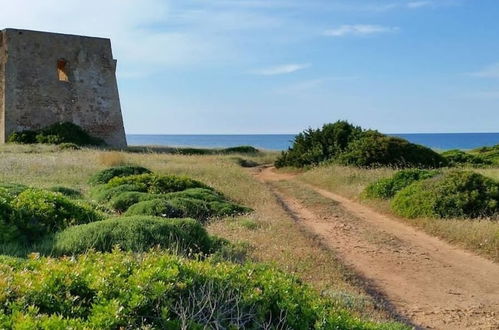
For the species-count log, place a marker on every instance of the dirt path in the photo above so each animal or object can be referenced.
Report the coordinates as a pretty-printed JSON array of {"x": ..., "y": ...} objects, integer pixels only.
[{"x": 426, "y": 280}]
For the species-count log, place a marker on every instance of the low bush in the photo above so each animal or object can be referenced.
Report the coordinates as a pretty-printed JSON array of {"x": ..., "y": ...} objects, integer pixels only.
[
  {"x": 136, "y": 234},
  {"x": 104, "y": 193},
  {"x": 121, "y": 290},
  {"x": 387, "y": 188},
  {"x": 57, "y": 133},
  {"x": 106, "y": 175},
  {"x": 178, "y": 207},
  {"x": 457, "y": 157},
  {"x": 158, "y": 184},
  {"x": 490, "y": 154},
  {"x": 456, "y": 194},
  {"x": 39, "y": 212},
  {"x": 23, "y": 137},
  {"x": 167, "y": 209},
  {"x": 8, "y": 232},
  {"x": 122, "y": 201},
  {"x": 12, "y": 189},
  {"x": 376, "y": 149},
  {"x": 223, "y": 208},
  {"x": 245, "y": 162},
  {"x": 203, "y": 194},
  {"x": 312, "y": 147},
  {"x": 69, "y": 146},
  {"x": 68, "y": 192},
  {"x": 240, "y": 150}
]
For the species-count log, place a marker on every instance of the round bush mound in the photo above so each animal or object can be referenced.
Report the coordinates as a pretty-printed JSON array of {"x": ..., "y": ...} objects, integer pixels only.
[
  {"x": 121, "y": 290},
  {"x": 387, "y": 188},
  {"x": 39, "y": 212},
  {"x": 376, "y": 149},
  {"x": 456, "y": 194},
  {"x": 12, "y": 189},
  {"x": 106, "y": 175},
  {"x": 68, "y": 192},
  {"x": 240, "y": 150},
  {"x": 104, "y": 193},
  {"x": 203, "y": 194},
  {"x": 458, "y": 157},
  {"x": 171, "y": 208},
  {"x": 158, "y": 184},
  {"x": 312, "y": 147},
  {"x": 122, "y": 201},
  {"x": 136, "y": 234}
]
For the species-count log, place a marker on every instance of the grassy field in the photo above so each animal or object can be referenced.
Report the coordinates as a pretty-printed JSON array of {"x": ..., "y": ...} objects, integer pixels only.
[
  {"x": 480, "y": 236},
  {"x": 263, "y": 236}
]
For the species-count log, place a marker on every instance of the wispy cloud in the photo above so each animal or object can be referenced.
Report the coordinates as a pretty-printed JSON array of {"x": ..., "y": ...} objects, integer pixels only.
[
  {"x": 281, "y": 69},
  {"x": 491, "y": 71},
  {"x": 312, "y": 84},
  {"x": 419, "y": 4},
  {"x": 358, "y": 30}
]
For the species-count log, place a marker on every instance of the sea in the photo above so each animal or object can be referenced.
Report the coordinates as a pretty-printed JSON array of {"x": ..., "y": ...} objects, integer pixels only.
[{"x": 438, "y": 141}]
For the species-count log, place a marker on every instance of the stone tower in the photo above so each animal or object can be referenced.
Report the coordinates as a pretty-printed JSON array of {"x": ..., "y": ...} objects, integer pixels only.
[{"x": 49, "y": 77}]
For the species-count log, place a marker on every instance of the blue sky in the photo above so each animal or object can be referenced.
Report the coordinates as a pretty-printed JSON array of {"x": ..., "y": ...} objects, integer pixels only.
[{"x": 279, "y": 66}]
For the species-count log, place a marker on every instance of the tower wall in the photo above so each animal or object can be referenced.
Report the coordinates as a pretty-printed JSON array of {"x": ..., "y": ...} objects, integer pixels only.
[
  {"x": 3, "y": 59},
  {"x": 53, "y": 78}
]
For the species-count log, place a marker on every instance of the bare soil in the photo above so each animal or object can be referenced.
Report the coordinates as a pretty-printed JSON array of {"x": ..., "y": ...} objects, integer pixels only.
[{"x": 428, "y": 282}]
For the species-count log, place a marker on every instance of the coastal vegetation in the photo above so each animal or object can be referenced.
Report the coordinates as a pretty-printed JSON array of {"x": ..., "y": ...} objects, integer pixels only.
[
  {"x": 65, "y": 133},
  {"x": 156, "y": 271},
  {"x": 346, "y": 144}
]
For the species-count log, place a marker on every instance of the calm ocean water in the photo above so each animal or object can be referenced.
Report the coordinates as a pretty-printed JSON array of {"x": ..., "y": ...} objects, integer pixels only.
[{"x": 283, "y": 141}]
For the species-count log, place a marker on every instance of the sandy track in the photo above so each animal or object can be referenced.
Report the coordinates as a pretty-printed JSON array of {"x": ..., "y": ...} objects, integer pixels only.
[{"x": 429, "y": 282}]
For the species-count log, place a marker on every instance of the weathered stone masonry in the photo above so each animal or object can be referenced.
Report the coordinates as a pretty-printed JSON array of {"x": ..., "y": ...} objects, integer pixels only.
[{"x": 48, "y": 77}]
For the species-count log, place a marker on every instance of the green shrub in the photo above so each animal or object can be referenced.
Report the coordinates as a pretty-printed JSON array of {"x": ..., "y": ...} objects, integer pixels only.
[
  {"x": 57, "y": 133},
  {"x": 490, "y": 154},
  {"x": 106, "y": 175},
  {"x": 121, "y": 290},
  {"x": 8, "y": 232},
  {"x": 312, "y": 147},
  {"x": 178, "y": 207},
  {"x": 24, "y": 137},
  {"x": 203, "y": 194},
  {"x": 12, "y": 189},
  {"x": 458, "y": 157},
  {"x": 240, "y": 150},
  {"x": 170, "y": 208},
  {"x": 457, "y": 194},
  {"x": 387, "y": 188},
  {"x": 136, "y": 234},
  {"x": 376, "y": 149},
  {"x": 223, "y": 208},
  {"x": 69, "y": 146},
  {"x": 104, "y": 193},
  {"x": 245, "y": 162},
  {"x": 68, "y": 192},
  {"x": 158, "y": 184},
  {"x": 39, "y": 212},
  {"x": 124, "y": 200}
]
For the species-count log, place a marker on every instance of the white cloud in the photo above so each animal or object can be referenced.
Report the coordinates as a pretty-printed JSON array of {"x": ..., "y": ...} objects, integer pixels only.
[
  {"x": 358, "y": 30},
  {"x": 281, "y": 69},
  {"x": 491, "y": 71},
  {"x": 419, "y": 4}
]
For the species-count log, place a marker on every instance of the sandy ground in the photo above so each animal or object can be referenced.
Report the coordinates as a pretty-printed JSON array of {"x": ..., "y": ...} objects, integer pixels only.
[{"x": 428, "y": 282}]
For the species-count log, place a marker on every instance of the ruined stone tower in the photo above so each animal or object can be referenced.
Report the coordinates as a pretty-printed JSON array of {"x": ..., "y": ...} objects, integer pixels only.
[{"x": 49, "y": 77}]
